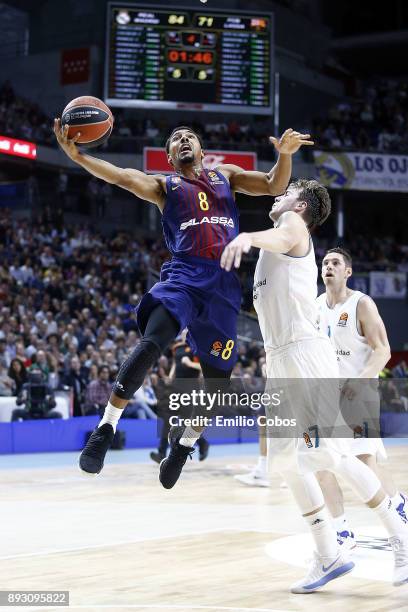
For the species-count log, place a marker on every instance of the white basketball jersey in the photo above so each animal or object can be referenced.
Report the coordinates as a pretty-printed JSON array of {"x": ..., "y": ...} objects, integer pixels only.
[
  {"x": 340, "y": 323},
  {"x": 285, "y": 290}
]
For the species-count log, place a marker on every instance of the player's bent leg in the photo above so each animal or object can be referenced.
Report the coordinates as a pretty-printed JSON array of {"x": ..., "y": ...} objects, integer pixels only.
[
  {"x": 161, "y": 329},
  {"x": 398, "y": 499},
  {"x": 182, "y": 439},
  {"x": 333, "y": 496},
  {"x": 329, "y": 561}
]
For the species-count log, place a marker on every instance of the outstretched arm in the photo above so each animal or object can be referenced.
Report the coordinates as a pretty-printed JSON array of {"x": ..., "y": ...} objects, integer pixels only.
[
  {"x": 148, "y": 187},
  {"x": 281, "y": 239},
  {"x": 276, "y": 180}
]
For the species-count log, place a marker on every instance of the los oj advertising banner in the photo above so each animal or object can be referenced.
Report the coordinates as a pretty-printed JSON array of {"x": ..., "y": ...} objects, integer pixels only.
[{"x": 362, "y": 171}]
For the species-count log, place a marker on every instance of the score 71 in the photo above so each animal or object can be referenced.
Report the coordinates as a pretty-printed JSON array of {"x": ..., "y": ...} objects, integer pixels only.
[{"x": 204, "y": 21}]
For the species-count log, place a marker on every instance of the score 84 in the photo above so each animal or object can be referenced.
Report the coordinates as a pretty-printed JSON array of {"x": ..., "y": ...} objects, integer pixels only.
[{"x": 176, "y": 19}]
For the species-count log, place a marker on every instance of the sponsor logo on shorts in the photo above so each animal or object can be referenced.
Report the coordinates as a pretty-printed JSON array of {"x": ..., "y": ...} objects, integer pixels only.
[
  {"x": 343, "y": 319},
  {"x": 213, "y": 220},
  {"x": 307, "y": 440},
  {"x": 216, "y": 348}
]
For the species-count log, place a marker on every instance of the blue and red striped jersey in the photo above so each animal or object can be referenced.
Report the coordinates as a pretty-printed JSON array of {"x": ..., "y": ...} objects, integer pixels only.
[{"x": 200, "y": 216}]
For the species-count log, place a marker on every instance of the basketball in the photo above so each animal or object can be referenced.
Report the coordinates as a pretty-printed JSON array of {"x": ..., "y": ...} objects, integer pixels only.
[{"x": 89, "y": 116}]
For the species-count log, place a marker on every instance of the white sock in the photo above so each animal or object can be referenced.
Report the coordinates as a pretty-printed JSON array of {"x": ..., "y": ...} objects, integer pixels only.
[
  {"x": 340, "y": 523},
  {"x": 396, "y": 499},
  {"x": 261, "y": 466},
  {"x": 111, "y": 415},
  {"x": 189, "y": 437},
  {"x": 390, "y": 518},
  {"x": 323, "y": 533}
]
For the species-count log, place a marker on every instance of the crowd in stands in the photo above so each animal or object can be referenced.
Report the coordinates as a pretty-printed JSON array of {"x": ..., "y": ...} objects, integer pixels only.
[
  {"x": 228, "y": 134},
  {"x": 376, "y": 121},
  {"x": 68, "y": 295},
  {"x": 370, "y": 253},
  {"x": 21, "y": 118},
  {"x": 394, "y": 387}
]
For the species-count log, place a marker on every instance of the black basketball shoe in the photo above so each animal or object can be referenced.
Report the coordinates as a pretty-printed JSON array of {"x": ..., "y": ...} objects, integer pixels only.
[
  {"x": 92, "y": 457},
  {"x": 203, "y": 447},
  {"x": 170, "y": 468}
]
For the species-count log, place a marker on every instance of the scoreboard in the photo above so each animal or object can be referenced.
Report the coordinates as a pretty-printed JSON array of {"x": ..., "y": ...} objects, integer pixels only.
[{"x": 185, "y": 58}]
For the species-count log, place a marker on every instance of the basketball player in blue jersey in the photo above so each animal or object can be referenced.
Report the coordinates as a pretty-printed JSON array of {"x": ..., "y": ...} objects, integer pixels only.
[{"x": 199, "y": 218}]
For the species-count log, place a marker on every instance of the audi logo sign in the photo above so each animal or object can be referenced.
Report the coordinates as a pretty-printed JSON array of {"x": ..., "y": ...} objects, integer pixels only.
[
  {"x": 20, "y": 148},
  {"x": 155, "y": 160}
]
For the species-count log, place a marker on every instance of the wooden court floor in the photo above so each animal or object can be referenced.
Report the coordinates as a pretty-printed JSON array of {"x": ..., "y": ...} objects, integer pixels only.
[{"x": 121, "y": 542}]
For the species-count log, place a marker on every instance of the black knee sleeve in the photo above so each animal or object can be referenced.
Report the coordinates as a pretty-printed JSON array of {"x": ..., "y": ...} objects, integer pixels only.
[
  {"x": 160, "y": 330},
  {"x": 133, "y": 370}
]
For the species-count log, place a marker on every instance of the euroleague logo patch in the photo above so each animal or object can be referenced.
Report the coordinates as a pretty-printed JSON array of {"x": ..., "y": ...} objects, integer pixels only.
[
  {"x": 343, "y": 319},
  {"x": 216, "y": 348},
  {"x": 307, "y": 440},
  {"x": 214, "y": 178}
]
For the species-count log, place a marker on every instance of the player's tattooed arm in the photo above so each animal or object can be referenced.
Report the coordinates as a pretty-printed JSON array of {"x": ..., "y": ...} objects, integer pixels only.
[
  {"x": 277, "y": 179},
  {"x": 290, "y": 232},
  {"x": 145, "y": 186},
  {"x": 373, "y": 329}
]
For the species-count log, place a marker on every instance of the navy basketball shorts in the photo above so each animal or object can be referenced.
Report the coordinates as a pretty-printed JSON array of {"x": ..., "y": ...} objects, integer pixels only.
[{"x": 206, "y": 299}]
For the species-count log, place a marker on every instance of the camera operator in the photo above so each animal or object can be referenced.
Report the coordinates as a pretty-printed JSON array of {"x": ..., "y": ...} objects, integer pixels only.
[{"x": 38, "y": 399}]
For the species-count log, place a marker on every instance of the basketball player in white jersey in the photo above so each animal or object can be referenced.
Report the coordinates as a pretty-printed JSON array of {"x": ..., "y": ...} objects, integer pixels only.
[
  {"x": 285, "y": 300},
  {"x": 357, "y": 332}
]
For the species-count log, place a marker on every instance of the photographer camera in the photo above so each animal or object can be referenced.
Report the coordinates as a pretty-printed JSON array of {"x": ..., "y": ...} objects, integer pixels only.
[{"x": 38, "y": 399}]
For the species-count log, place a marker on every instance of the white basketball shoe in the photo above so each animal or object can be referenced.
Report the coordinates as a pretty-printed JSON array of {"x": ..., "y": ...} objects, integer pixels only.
[
  {"x": 399, "y": 546},
  {"x": 255, "y": 478},
  {"x": 322, "y": 571}
]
